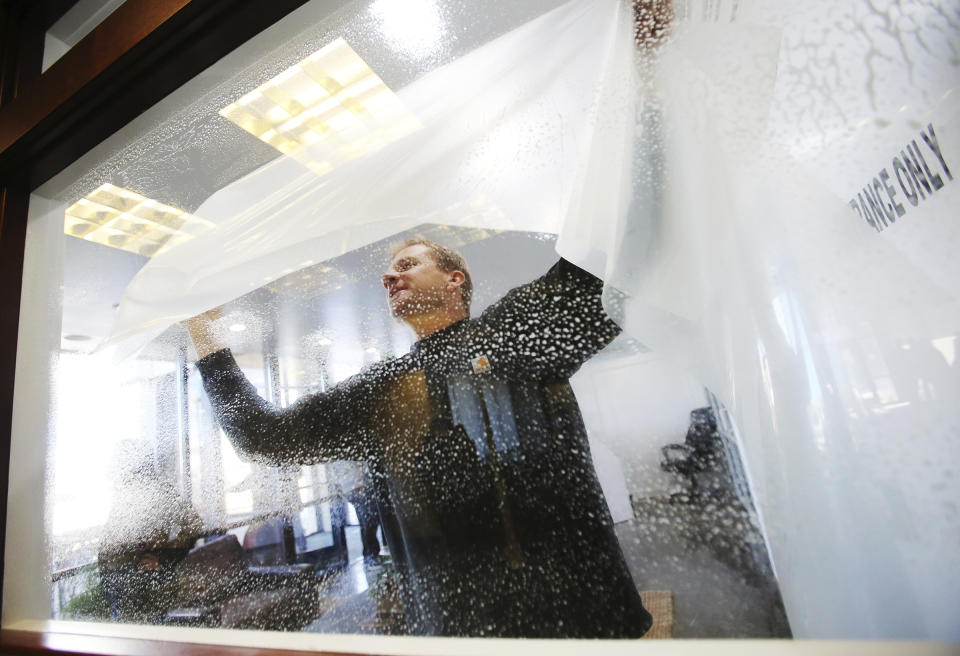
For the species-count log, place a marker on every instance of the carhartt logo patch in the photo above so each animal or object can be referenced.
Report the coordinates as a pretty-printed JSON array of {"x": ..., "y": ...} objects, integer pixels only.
[{"x": 481, "y": 364}]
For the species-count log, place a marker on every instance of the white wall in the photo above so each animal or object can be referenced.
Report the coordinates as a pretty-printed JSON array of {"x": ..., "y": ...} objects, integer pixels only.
[
  {"x": 635, "y": 404},
  {"x": 613, "y": 481}
]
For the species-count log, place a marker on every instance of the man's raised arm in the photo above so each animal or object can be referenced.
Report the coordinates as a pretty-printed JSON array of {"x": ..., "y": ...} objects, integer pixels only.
[
  {"x": 323, "y": 426},
  {"x": 553, "y": 324}
]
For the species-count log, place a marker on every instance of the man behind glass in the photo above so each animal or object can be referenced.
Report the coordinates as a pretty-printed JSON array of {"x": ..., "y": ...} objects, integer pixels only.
[{"x": 486, "y": 490}]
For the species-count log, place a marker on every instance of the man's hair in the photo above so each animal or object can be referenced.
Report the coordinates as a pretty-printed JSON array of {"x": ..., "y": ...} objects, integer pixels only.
[{"x": 447, "y": 260}]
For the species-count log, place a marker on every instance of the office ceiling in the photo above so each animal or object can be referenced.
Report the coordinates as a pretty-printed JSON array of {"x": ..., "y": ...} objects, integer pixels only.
[{"x": 182, "y": 151}]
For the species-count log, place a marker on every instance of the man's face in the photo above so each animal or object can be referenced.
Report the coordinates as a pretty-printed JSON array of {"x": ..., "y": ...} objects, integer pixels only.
[{"x": 414, "y": 283}]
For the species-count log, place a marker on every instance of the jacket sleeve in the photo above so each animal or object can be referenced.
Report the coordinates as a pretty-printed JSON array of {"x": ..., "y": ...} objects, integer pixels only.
[
  {"x": 551, "y": 326},
  {"x": 324, "y": 426}
]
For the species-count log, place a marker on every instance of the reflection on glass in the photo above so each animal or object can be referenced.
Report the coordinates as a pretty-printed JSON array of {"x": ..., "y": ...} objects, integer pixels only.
[
  {"x": 480, "y": 464},
  {"x": 462, "y": 495},
  {"x": 331, "y": 98},
  {"x": 414, "y": 28},
  {"x": 120, "y": 218},
  {"x": 388, "y": 445},
  {"x": 393, "y": 444}
]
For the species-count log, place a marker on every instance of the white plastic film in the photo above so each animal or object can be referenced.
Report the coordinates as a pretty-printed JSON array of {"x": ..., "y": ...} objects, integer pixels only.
[
  {"x": 527, "y": 132},
  {"x": 793, "y": 242}
]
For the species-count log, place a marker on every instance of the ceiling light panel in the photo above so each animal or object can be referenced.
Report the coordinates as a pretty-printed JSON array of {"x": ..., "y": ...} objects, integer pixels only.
[
  {"x": 329, "y": 108},
  {"x": 310, "y": 282},
  {"x": 120, "y": 218}
]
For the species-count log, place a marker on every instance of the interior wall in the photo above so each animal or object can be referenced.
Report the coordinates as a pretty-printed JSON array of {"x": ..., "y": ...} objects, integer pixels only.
[
  {"x": 636, "y": 403},
  {"x": 613, "y": 481}
]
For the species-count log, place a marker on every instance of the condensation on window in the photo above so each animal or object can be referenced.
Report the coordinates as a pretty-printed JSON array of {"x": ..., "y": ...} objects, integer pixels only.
[{"x": 568, "y": 320}]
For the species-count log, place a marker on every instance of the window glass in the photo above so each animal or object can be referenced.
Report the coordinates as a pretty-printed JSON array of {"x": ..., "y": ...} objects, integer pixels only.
[{"x": 541, "y": 319}]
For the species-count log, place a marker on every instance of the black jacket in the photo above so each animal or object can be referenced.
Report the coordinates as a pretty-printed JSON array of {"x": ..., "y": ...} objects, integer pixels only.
[{"x": 488, "y": 496}]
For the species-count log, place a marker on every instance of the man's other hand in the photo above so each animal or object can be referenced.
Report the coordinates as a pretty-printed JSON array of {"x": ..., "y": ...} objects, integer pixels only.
[
  {"x": 652, "y": 20},
  {"x": 201, "y": 329}
]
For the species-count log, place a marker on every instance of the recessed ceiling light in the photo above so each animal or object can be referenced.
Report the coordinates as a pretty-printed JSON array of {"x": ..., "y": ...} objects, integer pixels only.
[
  {"x": 412, "y": 26},
  {"x": 237, "y": 328},
  {"x": 123, "y": 219},
  {"x": 332, "y": 100}
]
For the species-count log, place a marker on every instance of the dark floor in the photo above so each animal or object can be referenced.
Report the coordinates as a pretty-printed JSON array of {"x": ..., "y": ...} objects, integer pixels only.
[
  {"x": 711, "y": 556},
  {"x": 708, "y": 553},
  {"x": 349, "y": 599}
]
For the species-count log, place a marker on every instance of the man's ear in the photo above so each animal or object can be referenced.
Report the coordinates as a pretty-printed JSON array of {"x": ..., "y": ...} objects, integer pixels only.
[{"x": 455, "y": 279}]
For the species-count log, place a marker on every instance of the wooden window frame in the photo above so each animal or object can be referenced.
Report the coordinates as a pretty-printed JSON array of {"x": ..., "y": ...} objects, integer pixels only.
[{"x": 143, "y": 51}]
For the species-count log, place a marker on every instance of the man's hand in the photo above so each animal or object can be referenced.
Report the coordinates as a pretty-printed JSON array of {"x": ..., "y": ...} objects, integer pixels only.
[
  {"x": 652, "y": 19},
  {"x": 202, "y": 332}
]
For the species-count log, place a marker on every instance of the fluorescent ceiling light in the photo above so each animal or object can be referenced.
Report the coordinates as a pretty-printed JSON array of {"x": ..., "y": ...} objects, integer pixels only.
[
  {"x": 329, "y": 108},
  {"x": 120, "y": 218}
]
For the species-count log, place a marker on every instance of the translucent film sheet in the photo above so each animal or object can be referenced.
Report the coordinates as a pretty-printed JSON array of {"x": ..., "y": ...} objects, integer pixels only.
[
  {"x": 792, "y": 241},
  {"x": 528, "y": 132}
]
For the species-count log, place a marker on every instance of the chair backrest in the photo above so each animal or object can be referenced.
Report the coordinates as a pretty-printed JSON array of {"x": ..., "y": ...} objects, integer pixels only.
[
  {"x": 703, "y": 416},
  {"x": 702, "y": 434}
]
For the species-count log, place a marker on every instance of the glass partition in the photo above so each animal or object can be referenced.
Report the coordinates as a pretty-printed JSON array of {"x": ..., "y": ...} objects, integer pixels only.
[{"x": 539, "y": 320}]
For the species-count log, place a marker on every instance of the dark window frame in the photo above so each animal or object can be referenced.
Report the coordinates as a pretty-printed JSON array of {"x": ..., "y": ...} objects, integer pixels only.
[{"x": 143, "y": 51}]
